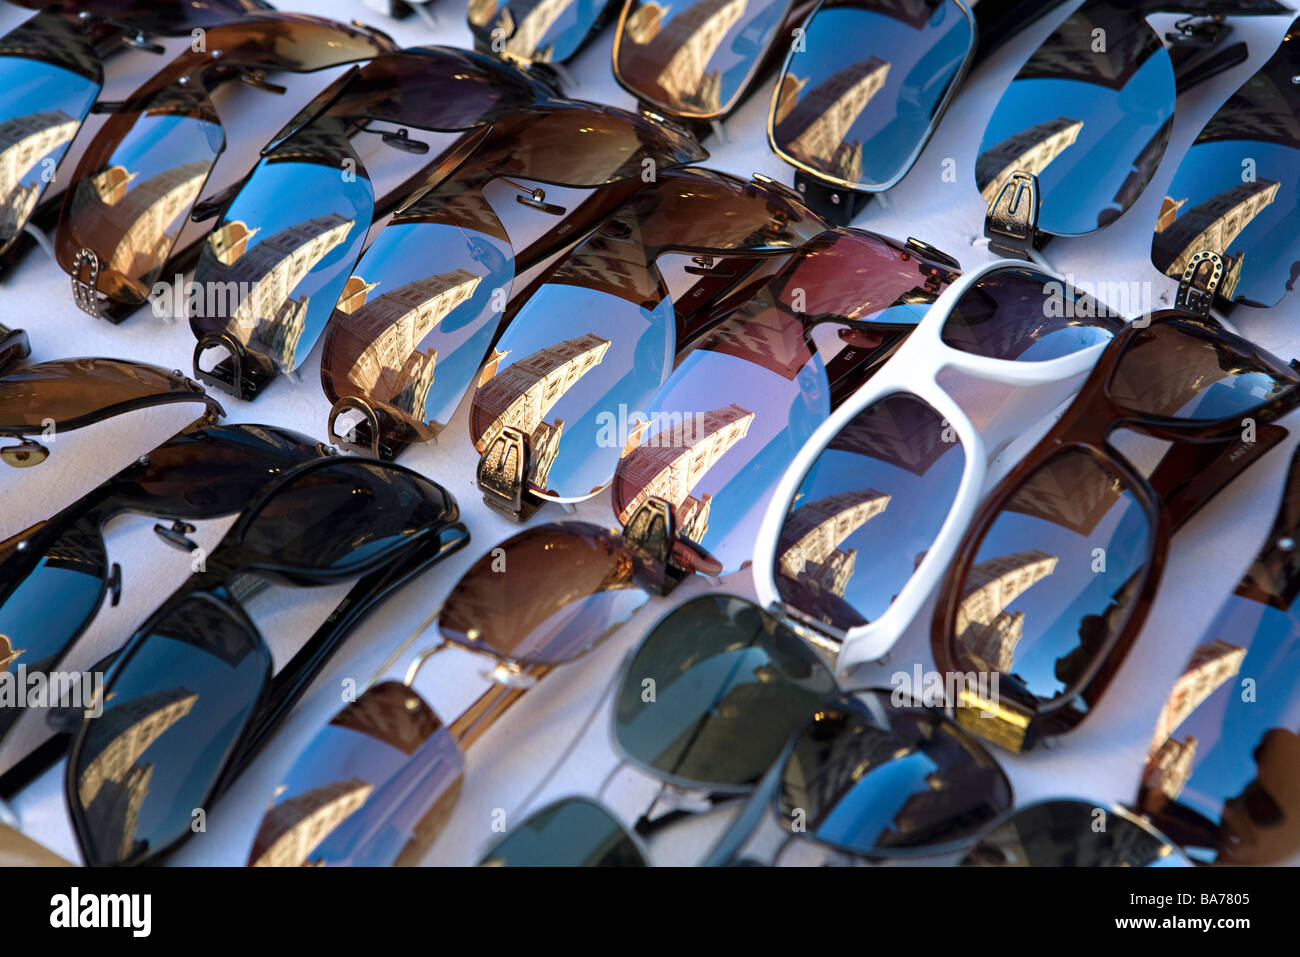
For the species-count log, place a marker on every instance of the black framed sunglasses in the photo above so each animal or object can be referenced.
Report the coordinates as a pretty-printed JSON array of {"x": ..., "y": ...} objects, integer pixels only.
[
  {"x": 55, "y": 575},
  {"x": 193, "y": 696}
]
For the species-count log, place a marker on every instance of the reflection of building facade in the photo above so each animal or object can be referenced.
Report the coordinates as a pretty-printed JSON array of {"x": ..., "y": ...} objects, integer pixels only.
[
  {"x": 986, "y": 631},
  {"x": 229, "y": 241},
  {"x": 143, "y": 212},
  {"x": 901, "y": 431},
  {"x": 24, "y": 142},
  {"x": 392, "y": 369},
  {"x": 270, "y": 272},
  {"x": 112, "y": 787},
  {"x": 1069, "y": 492},
  {"x": 1029, "y": 151},
  {"x": 1072, "y": 51},
  {"x": 1212, "y": 665},
  {"x": 765, "y": 336},
  {"x": 811, "y": 537},
  {"x": 685, "y": 44},
  {"x": 294, "y": 828},
  {"x": 526, "y": 38},
  {"x": 817, "y": 128},
  {"x": 1213, "y": 225},
  {"x": 522, "y": 394},
  {"x": 676, "y": 459}
]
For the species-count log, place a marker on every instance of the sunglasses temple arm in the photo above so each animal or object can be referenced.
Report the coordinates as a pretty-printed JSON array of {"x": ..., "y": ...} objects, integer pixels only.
[
  {"x": 1212, "y": 466},
  {"x": 293, "y": 680},
  {"x": 646, "y": 827},
  {"x": 727, "y": 850},
  {"x": 997, "y": 21}
]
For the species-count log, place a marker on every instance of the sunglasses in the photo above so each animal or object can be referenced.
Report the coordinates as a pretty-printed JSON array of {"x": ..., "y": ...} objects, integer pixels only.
[
  {"x": 46, "y": 398},
  {"x": 1072, "y": 833},
  {"x": 287, "y": 266},
  {"x": 722, "y": 700},
  {"x": 56, "y": 574},
  {"x": 1254, "y": 237},
  {"x": 533, "y": 32},
  {"x": 747, "y": 394},
  {"x": 1082, "y": 128},
  {"x": 193, "y": 696},
  {"x": 1056, "y": 570},
  {"x": 401, "y": 360},
  {"x": 141, "y": 175},
  {"x": 865, "y": 519},
  {"x": 1220, "y": 773},
  {"x": 697, "y": 61},
  {"x": 52, "y": 67},
  {"x": 556, "y": 361}
]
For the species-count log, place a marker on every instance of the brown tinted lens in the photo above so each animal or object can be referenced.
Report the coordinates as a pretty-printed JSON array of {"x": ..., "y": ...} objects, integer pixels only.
[
  {"x": 349, "y": 799},
  {"x": 570, "y": 585},
  {"x": 136, "y": 185},
  {"x": 156, "y": 16},
  {"x": 588, "y": 145},
  {"x": 1053, "y": 580},
  {"x": 698, "y": 58},
  {"x": 1181, "y": 369},
  {"x": 76, "y": 392}
]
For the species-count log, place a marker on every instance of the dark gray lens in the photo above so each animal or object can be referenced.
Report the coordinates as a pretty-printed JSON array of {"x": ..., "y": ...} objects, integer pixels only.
[
  {"x": 1089, "y": 114},
  {"x": 571, "y": 833},
  {"x": 1073, "y": 834},
  {"x": 172, "y": 715},
  {"x": 876, "y": 778},
  {"x": 714, "y": 693}
]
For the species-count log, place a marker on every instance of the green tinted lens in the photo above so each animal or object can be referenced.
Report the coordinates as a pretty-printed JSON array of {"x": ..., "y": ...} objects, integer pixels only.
[
  {"x": 570, "y": 833},
  {"x": 715, "y": 692}
]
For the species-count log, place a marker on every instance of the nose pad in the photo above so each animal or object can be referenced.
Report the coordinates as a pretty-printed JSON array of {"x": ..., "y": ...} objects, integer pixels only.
[
  {"x": 141, "y": 41},
  {"x": 177, "y": 535},
  {"x": 511, "y": 675},
  {"x": 537, "y": 200},
  {"x": 114, "y": 584},
  {"x": 25, "y": 454}
]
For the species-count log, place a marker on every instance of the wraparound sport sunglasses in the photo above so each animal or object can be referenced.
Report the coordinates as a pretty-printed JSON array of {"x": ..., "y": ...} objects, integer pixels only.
[
  {"x": 55, "y": 575},
  {"x": 52, "y": 69},
  {"x": 192, "y": 697},
  {"x": 1221, "y": 773},
  {"x": 1055, "y": 572},
  {"x": 142, "y": 174},
  {"x": 866, "y": 83},
  {"x": 1083, "y": 126},
  {"x": 65, "y": 394}
]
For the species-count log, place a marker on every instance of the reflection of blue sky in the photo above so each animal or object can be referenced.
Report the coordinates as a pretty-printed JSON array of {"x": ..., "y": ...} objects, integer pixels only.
[
  {"x": 739, "y": 50},
  {"x": 1117, "y": 125},
  {"x": 187, "y": 754},
  {"x": 1271, "y": 242},
  {"x": 1054, "y": 606},
  {"x": 890, "y": 542},
  {"x": 569, "y": 28},
  {"x": 407, "y": 252},
  {"x": 640, "y": 354},
  {"x": 34, "y": 87},
  {"x": 160, "y": 143},
  {"x": 922, "y": 64},
  {"x": 785, "y": 415},
  {"x": 865, "y": 815},
  {"x": 316, "y": 190},
  {"x": 1227, "y": 730}
]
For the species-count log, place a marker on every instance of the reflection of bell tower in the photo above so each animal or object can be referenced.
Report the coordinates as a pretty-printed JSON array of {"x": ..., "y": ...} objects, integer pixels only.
[
  {"x": 985, "y": 630},
  {"x": 112, "y": 787},
  {"x": 534, "y": 26},
  {"x": 1211, "y": 666},
  {"x": 1213, "y": 225},
  {"x": 392, "y": 368},
  {"x": 817, "y": 127},
  {"x": 8, "y": 654},
  {"x": 687, "y": 43},
  {"x": 674, "y": 460},
  {"x": 523, "y": 393},
  {"x": 1030, "y": 151},
  {"x": 111, "y": 184},
  {"x": 24, "y": 142},
  {"x": 294, "y": 828},
  {"x": 230, "y": 241},
  {"x": 811, "y": 537},
  {"x": 147, "y": 209}
]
